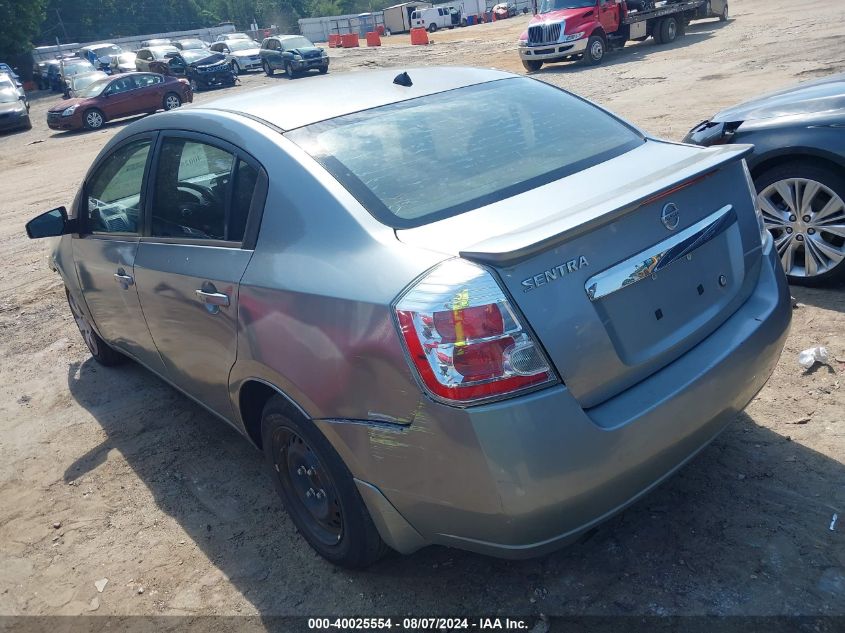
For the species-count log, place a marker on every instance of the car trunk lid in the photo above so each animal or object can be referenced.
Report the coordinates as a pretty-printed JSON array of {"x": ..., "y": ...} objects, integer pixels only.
[{"x": 620, "y": 268}]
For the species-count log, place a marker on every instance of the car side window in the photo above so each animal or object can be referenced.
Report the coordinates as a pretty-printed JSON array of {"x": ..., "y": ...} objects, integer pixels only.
[
  {"x": 121, "y": 85},
  {"x": 202, "y": 192},
  {"x": 114, "y": 191},
  {"x": 148, "y": 80}
]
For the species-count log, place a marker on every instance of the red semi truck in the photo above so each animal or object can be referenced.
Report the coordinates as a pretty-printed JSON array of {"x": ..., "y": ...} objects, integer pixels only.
[{"x": 586, "y": 29}]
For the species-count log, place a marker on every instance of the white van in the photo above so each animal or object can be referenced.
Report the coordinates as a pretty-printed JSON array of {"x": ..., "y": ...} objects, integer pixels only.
[{"x": 435, "y": 18}]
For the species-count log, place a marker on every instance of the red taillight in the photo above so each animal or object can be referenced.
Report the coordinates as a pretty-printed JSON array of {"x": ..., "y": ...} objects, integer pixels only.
[
  {"x": 464, "y": 338},
  {"x": 469, "y": 323}
]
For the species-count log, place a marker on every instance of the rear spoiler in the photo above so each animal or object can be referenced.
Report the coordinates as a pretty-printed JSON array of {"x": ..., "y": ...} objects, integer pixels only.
[{"x": 605, "y": 207}]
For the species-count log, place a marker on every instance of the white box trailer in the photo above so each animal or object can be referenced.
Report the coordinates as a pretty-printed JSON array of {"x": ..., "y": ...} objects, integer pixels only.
[
  {"x": 397, "y": 19},
  {"x": 471, "y": 7}
]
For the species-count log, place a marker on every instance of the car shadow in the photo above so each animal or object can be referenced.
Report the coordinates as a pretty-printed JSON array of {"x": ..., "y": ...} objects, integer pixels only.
[
  {"x": 109, "y": 125},
  {"x": 830, "y": 296},
  {"x": 637, "y": 51},
  {"x": 729, "y": 534}
]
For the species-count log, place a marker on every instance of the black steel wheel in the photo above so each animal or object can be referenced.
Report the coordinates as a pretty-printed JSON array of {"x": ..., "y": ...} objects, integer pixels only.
[
  {"x": 102, "y": 352},
  {"x": 317, "y": 489}
]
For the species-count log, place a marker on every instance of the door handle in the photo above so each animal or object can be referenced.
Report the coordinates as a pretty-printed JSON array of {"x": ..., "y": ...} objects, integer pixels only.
[
  {"x": 123, "y": 279},
  {"x": 213, "y": 298}
]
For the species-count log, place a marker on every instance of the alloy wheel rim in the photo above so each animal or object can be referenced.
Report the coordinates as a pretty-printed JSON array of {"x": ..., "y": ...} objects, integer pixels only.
[
  {"x": 172, "y": 102},
  {"x": 597, "y": 50},
  {"x": 94, "y": 119},
  {"x": 310, "y": 485},
  {"x": 84, "y": 326},
  {"x": 807, "y": 221}
]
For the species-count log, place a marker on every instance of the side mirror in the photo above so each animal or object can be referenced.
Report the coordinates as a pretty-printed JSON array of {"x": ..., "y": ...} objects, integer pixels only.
[{"x": 50, "y": 224}]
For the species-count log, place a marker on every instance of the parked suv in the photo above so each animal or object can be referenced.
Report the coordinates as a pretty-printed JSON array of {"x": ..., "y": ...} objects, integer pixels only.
[
  {"x": 292, "y": 53},
  {"x": 203, "y": 69},
  {"x": 435, "y": 334}
]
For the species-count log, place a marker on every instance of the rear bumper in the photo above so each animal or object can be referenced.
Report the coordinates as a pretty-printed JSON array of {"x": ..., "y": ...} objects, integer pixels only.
[
  {"x": 525, "y": 476},
  {"x": 552, "y": 51}
]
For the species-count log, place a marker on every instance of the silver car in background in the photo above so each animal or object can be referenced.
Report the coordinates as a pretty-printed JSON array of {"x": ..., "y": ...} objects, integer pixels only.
[
  {"x": 243, "y": 55},
  {"x": 487, "y": 332}
]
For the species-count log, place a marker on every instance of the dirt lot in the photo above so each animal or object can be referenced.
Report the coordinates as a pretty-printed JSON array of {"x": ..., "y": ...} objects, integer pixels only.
[{"x": 152, "y": 493}]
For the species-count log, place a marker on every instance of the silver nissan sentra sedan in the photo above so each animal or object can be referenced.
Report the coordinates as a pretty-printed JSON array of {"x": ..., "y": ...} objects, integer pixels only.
[{"x": 451, "y": 306}]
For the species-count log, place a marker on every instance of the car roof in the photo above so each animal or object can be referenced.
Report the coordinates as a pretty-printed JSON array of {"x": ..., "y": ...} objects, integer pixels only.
[{"x": 305, "y": 102}]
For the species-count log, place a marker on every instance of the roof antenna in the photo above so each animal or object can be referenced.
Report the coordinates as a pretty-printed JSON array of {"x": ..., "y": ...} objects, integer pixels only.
[{"x": 403, "y": 79}]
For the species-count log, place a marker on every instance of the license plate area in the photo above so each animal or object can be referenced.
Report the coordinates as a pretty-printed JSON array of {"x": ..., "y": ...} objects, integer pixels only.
[{"x": 674, "y": 293}]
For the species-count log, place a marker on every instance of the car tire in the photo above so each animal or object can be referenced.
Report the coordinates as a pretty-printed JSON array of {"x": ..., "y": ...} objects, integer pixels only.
[
  {"x": 669, "y": 30},
  {"x": 532, "y": 65},
  {"x": 101, "y": 351},
  {"x": 723, "y": 17},
  {"x": 94, "y": 119},
  {"x": 289, "y": 73},
  {"x": 171, "y": 101},
  {"x": 268, "y": 70},
  {"x": 827, "y": 246},
  {"x": 318, "y": 490},
  {"x": 236, "y": 69},
  {"x": 432, "y": 27},
  {"x": 595, "y": 51},
  {"x": 324, "y": 70},
  {"x": 28, "y": 124}
]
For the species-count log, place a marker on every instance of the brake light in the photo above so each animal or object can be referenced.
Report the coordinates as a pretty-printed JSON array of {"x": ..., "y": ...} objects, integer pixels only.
[{"x": 464, "y": 338}]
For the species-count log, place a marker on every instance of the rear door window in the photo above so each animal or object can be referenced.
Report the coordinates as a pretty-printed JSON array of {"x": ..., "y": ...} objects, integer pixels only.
[
  {"x": 202, "y": 192},
  {"x": 417, "y": 161}
]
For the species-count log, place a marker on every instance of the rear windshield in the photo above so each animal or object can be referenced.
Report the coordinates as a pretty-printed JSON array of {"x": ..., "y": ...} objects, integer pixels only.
[{"x": 425, "y": 159}]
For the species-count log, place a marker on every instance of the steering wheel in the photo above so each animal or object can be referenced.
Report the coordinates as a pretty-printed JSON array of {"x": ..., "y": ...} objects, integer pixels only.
[{"x": 206, "y": 194}]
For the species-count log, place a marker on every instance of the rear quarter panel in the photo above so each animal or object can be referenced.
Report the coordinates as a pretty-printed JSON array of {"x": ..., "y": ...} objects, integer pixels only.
[{"x": 315, "y": 316}]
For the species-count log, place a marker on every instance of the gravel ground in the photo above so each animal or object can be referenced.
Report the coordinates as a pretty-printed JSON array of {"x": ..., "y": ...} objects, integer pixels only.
[{"x": 111, "y": 474}]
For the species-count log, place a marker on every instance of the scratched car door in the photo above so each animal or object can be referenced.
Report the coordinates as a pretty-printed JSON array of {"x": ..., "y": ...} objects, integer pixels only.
[{"x": 190, "y": 265}]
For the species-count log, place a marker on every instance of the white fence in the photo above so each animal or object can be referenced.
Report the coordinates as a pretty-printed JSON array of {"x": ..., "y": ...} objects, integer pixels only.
[{"x": 319, "y": 29}]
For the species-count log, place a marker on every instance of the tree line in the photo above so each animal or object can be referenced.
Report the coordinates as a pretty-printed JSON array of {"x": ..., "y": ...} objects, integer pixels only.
[{"x": 28, "y": 23}]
